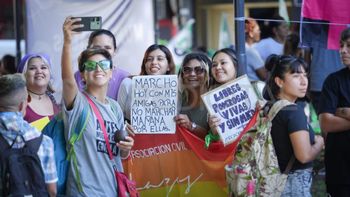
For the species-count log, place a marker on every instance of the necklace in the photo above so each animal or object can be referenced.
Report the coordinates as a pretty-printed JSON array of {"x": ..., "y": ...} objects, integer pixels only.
[{"x": 39, "y": 95}]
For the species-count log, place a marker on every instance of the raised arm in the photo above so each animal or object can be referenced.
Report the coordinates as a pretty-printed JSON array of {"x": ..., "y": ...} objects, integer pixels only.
[{"x": 70, "y": 87}]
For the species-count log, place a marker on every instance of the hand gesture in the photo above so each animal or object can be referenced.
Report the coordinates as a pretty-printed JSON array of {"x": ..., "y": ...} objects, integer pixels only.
[
  {"x": 184, "y": 121},
  {"x": 69, "y": 26},
  {"x": 214, "y": 122}
]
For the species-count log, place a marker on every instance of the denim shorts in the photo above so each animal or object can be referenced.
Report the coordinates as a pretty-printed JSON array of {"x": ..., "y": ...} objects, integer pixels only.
[{"x": 298, "y": 183}]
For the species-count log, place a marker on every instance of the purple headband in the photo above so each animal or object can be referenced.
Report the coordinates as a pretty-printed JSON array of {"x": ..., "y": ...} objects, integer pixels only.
[{"x": 22, "y": 66}]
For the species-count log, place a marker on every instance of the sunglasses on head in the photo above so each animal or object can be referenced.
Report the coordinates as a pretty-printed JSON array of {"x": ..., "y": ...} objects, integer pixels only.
[
  {"x": 90, "y": 65},
  {"x": 188, "y": 70}
]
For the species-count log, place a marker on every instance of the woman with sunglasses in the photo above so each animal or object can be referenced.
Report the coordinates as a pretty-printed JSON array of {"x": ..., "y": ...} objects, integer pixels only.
[
  {"x": 37, "y": 71},
  {"x": 223, "y": 70},
  {"x": 193, "y": 82},
  {"x": 294, "y": 142},
  {"x": 156, "y": 61},
  {"x": 95, "y": 175}
]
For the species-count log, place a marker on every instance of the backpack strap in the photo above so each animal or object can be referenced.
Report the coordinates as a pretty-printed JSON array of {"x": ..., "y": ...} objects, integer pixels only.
[
  {"x": 78, "y": 130},
  {"x": 289, "y": 165},
  {"x": 276, "y": 107},
  {"x": 3, "y": 143},
  {"x": 35, "y": 143}
]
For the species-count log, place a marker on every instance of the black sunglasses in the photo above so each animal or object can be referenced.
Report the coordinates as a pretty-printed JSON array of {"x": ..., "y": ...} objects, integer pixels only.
[{"x": 188, "y": 70}]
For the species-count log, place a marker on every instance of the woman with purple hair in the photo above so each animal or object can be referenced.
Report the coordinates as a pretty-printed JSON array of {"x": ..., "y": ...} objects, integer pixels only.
[{"x": 37, "y": 71}]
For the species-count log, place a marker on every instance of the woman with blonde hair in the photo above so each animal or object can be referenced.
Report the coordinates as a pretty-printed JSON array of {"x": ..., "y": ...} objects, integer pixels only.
[{"x": 193, "y": 82}]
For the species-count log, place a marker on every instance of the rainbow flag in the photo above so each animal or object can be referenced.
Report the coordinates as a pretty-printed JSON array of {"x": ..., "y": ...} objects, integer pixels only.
[{"x": 179, "y": 165}]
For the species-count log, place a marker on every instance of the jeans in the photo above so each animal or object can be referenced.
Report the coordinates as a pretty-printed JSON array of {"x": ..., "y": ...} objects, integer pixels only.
[{"x": 298, "y": 183}]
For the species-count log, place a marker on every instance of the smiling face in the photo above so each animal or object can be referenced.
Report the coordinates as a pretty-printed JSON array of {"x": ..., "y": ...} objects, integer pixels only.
[
  {"x": 37, "y": 74},
  {"x": 97, "y": 77},
  {"x": 223, "y": 68},
  {"x": 193, "y": 74},
  {"x": 156, "y": 63},
  {"x": 293, "y": 86}
]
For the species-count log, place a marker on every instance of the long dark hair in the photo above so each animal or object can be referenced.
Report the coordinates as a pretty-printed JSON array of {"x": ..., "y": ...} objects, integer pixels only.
[
  {"x": 96, "y": 33},
  {"x": 232, "y": 54},
  {"x": 345, "y": 34},
  {"x": 279, "y": 66},
  {"x": 168, "y": 56}
]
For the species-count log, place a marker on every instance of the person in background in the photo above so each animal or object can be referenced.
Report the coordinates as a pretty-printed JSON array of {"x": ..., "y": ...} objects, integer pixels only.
[
  {"x": 223, "y": 70},
  {"x": 291, "y": 135},
  {"x": 322, "y": 63},
  {"x": 291, "y": 46},
  {"x": 193, "y": 82},
  {"x": 157, "y": 60},
  {"x": 96, "y": 172},
  {"x": 333, "y": 110},
  {"x": 7, "y": 65},
  {"x": 273, "y": 44},
  {"x": 104, "y": 39},
  {"x": 37, "y": 71},
  {"x": 13, "y": 101},
  {"x": 255, "y": 65}
]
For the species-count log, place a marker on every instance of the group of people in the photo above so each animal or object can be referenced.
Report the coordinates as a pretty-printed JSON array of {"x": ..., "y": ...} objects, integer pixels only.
[{"x": 31, "y": 98}]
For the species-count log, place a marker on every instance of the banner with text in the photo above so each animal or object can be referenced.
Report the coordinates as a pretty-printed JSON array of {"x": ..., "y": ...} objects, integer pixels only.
[
  {"x": 154, "y": 104},
  {"x": 178, "y": 165},
  {"x": 167, "y": 165},
  {"x": 234, "y": 103}
]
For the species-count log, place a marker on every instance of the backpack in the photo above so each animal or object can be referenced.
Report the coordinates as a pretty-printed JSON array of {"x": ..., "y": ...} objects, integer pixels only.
[
  {"x": 255, "y": 170},
  {"x": 21, "y": 170},
  {"x": 55, "y": 130}
]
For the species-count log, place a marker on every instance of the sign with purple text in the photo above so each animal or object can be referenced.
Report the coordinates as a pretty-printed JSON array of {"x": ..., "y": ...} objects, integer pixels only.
[
  {"x": 234, "y": 103},
  {"x": 154, "y": 104}
]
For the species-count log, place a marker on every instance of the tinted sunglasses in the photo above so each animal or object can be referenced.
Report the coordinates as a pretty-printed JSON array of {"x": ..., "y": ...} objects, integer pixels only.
[
  {"x": 198, "y": 70},
  {"x": 90, "y": 65}
]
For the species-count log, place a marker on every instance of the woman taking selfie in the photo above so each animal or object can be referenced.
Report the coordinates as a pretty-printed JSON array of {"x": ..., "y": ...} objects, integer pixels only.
[{"x": 95, "y": 175}]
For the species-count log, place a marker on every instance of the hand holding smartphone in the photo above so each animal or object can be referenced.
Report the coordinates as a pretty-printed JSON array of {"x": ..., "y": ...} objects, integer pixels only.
[{"x": 91, "y": 23}]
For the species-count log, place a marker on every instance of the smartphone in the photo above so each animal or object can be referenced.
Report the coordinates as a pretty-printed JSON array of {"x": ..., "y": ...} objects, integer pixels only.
[{"x": 91, "y": 23}]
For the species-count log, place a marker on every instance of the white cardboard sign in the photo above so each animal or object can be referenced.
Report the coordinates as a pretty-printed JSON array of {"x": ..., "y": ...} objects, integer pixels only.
[
  {"x": 154, "y": 104},
  {"x": 234, "y": 103}
]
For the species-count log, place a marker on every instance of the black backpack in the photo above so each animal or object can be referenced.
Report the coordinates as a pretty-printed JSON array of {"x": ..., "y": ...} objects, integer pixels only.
[{"x": 21, "y": 171}]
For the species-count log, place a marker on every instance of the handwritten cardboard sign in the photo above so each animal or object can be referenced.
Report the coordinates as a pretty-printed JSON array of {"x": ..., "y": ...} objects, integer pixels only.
[
  {"x": 154, "y": 104},
  {"x": 234, "y": 103}
]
